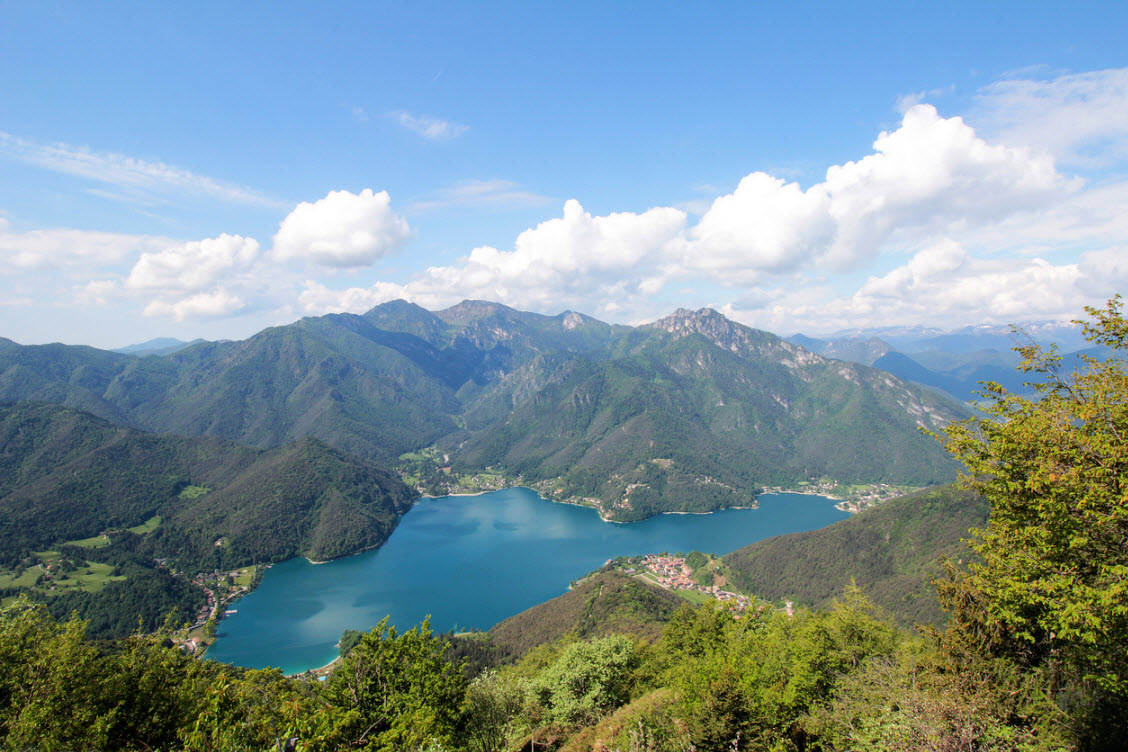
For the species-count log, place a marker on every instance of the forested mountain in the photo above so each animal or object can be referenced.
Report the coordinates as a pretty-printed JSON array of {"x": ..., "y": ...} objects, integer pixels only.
[
  {"x": 692, "y": 412},
  {"x": 892, "y": 552},
  {"x": 67, "y": 475},
  {"x": 695, "y": 413}
]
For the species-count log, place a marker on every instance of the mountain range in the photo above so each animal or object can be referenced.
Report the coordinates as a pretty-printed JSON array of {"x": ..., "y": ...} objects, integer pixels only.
[{"x": 690, "y": 413}]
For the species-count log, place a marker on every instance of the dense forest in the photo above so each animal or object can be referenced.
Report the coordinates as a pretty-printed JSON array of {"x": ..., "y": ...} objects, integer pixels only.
[{"x": 1034, "y": 654}]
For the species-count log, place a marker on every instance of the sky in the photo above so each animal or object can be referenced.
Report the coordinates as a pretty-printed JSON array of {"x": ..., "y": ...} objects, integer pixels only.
[{"x": 211, "y": 169}]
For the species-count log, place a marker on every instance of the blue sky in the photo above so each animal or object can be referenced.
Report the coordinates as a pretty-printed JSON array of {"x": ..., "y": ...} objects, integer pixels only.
[{"x": 209, "y": 169}]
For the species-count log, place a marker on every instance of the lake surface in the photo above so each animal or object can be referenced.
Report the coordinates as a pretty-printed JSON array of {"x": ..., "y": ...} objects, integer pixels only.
[{"x": 470, "y": 562}]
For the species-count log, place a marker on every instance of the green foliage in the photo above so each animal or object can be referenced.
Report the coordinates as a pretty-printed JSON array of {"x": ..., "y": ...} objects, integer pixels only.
[
  {"x": 65, "y": 475},
  {"x": 914, "y": 699},
  {"x": 51, "y": 685},
  {"x": 349, "y": 640},
  {"x": 588, "y": 679},
  {"x": 1053, "y": 580},
  {"x": 395, "y": 692},
  {"x": 494, "y": 711}
]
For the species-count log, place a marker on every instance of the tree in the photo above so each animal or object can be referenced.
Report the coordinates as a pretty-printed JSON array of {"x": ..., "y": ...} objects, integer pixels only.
[
  {"x": 1052, "y": 586},
  {"x": 589, "y": 679},
  {"x": 54, "y": 692},
  {"x": 396, "y": 692}
]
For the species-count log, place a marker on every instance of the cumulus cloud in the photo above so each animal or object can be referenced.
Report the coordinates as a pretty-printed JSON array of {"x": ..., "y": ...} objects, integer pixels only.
[
  {"x": 764, "y": 225},
  {"x": 67, "y": 249},
  {"x": 576, "y": 260},
  {"x": 193, "y": 266},
  {"x": 574, "y": 257},
  {"x": 945, "y": 283},
  {"x": 430, "y": 128},
  {"x": 317, "y": 299},
  {"x": 213, "y": 304},
  {"x": 125, "y": 172},
  {"x": 929, "y": 188},
  {"x": 931, "y": 176},
  {"x": 341, "y": 230},
  {"x": 97, "y": 292}
]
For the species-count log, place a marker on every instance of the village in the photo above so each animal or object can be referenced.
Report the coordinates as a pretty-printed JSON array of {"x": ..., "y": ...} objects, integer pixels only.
[
  {"x": 674, "y": 573},
  {"x": 221, "y": 589}
]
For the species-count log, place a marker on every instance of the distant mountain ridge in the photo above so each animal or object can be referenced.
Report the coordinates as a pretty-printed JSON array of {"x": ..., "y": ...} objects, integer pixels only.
[
  {"x": 955, "y": 362},
  {"x": 158, "y": 346},
  {"x": 690, "y": 413}
]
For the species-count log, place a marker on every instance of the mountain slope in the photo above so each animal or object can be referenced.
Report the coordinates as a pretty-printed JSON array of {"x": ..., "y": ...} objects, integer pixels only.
[
  {"x": 694, "y": 413},
  {"x": 604, "y": 603},
  {"x": 892, "y": 551},
  {"x": 67, "y": 475}
]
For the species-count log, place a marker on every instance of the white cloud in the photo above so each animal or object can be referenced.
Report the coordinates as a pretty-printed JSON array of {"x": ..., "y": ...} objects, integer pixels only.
[
  {"x": 99, "y": 292},
  {"x": 214, "y": 304},
  {"x": 764, "y": 225},
  {"x": 931, "y": 187},
  {"x": 492, "y": 194},
  {"x": 430, "y": 128},
  {"x": 317, "y": 299},
  {"x": 193, "y": 266},
  {"x": 67, "y": 249},
  {"x": 125, "y": 172},
  {"x": 929, "y": 177},
  {"x": 578, "y": 260},
  {"x": 945, "y": 284},
  {"x": 1080, "y": 118},
  {"x": 341, "y": 230}
]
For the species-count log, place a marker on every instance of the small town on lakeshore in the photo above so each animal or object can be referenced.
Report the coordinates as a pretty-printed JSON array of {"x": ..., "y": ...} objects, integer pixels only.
[
  {"x": 222, "y": 590},
  {"x": 696, "y": 577}
]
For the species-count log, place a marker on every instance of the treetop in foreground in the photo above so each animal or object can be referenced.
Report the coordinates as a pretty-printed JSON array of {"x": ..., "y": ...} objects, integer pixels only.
[{"x": 1054, "y": 570}]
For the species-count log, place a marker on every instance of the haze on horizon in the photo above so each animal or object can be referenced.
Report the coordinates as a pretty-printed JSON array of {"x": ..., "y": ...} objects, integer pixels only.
[{"x": 179, "y": 172}]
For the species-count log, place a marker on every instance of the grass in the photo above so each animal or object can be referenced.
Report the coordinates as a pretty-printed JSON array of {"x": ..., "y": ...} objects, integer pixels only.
[
  {"x": 153, "y": 522},
  {"x": 98, "y": 541},
  {"x": 92, "y": 577},
  {"x": 246, "y": 576},
  {"x": 695, "y": 596},
  {"x": 26, "y": 579},
  {"x": 194, "y": 492}
]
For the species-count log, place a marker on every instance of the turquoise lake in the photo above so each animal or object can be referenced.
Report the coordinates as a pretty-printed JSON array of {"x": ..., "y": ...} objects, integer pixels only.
[{"x": 470, "y": 562}]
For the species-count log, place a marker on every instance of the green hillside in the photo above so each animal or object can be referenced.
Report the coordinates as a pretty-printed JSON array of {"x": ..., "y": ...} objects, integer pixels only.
[
  {"x": 893, "y": 552},
  {"x": 196, "y": 504},
  {"x": 603, "y": 604}
]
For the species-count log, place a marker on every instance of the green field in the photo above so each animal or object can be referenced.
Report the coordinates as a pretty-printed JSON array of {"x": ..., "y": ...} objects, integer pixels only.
[
  {"x": 98, "y": 541},
  {"x": 695, "y": 596},
  {"x": 91, "y": 577},
  {"x": 153, "y": 522},
  {"x": 246, "y": 577}
]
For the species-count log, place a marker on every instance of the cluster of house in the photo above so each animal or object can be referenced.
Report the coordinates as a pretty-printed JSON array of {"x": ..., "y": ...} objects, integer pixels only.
[
  {"x": 674, "y": 574},
  {"x": 220, "y": 590}
]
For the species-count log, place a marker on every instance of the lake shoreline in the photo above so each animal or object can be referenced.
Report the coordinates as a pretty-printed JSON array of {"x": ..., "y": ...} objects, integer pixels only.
[{"x": 446, "y": 561}]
